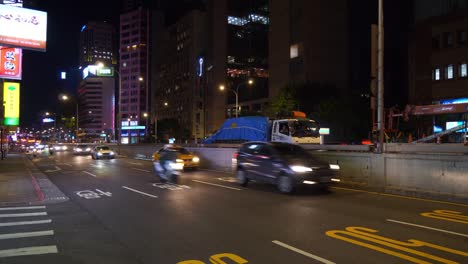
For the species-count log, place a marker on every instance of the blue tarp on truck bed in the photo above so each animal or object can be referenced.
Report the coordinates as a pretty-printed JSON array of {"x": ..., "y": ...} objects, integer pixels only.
[{"x": 251, "y": 128}]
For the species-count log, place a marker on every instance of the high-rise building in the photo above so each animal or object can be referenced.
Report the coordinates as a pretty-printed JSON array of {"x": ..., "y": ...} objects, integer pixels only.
[
  {"x": 179, "y": 84},
  {"x": 97, "y": 44},
  {"x": 438, "y": 60},
  {"x": 134, "y": 72},
  {"x": 308, "y": 43},
  {"x": 96, "y": 97},
  {"x": 236, "y": 51}
]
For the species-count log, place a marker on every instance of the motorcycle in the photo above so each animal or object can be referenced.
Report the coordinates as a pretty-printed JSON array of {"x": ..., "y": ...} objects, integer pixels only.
[{"x": 168, "y": 171}]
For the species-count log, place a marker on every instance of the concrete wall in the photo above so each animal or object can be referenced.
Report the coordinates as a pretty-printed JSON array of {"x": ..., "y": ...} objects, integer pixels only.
[{"x": 441, "y": 176}]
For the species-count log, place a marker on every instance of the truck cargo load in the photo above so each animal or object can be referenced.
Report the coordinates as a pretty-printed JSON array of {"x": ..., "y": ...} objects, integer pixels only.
[{"x": 241, "y": 129}]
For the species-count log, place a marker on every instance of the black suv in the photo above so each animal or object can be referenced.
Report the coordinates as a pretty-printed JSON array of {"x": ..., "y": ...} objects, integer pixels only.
[{"x": 283, "y": 164}]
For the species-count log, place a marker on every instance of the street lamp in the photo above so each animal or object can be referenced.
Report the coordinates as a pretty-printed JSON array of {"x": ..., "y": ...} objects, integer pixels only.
[
  {"x": 236, "y": 92},
  {"x": 66, "y": 98}
]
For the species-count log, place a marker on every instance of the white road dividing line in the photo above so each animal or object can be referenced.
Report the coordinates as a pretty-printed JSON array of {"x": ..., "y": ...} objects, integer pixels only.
[
  {"x": 22, "y": 208},
  {"x": 140, "y": 192},
  {"x": 136, "y": 163},
  {"x": 48, "y": 221},
  {"x": 140, "y": 170},
  {"x": 27, "y": 234},
  {"x": 22, "y": 215},
  {"x": 302, "y": 252},
  {"x": 218, "y": 185},
  {"x": 68, "y": 164},
  {"x": 427, "y": 227},
  {"x": 89, "y": 173},
  {"x": 28, "y": 251}
]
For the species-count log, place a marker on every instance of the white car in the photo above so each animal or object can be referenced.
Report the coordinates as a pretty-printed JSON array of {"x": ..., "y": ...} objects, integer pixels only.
[
  {"x": 82, "y": 149},
  {"x": 102, "y": 152}
]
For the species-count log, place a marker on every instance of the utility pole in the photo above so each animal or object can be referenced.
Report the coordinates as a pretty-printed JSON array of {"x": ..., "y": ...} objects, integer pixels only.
[{"x": 380, "y": 81}]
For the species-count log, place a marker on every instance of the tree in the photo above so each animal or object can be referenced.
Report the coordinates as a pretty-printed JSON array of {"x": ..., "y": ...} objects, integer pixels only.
[{"x": 285, "y": 102}]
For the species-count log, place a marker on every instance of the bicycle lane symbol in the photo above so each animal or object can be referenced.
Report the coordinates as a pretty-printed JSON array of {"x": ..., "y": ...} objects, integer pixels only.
[{"x": 367, "y": 234}]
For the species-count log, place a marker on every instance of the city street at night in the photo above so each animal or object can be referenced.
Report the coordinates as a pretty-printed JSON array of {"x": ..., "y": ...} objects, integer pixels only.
[{"x": 119, "y": 212}]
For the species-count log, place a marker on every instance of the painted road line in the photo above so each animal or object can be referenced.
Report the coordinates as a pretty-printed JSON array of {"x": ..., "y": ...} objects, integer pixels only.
[
  {"x": 140, "y": 170},
  {"x": 22, "y": 215},
  {"x": 135, "y": 163},
  {"x": 140, "y": 192},
  {"x": 28, "y": 251},
  {"x": 89, "y": 173},
  {"x": 400, "y": 196},
  {"x": 427, "y": 227},
  {"x": 22, "y": 208},
  {"x": 307, "y": 254},
  {"x": 218, "y": 185},
  {"x": 48, "y": 221},
  {"x": 27, "y": 234}
]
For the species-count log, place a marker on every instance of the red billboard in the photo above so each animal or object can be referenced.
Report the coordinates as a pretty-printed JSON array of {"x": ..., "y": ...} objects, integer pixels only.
[{"x": 10, "y": 63}]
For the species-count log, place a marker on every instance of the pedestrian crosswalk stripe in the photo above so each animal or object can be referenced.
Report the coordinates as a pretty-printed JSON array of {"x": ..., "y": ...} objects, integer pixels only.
[
  {"x": 22, "y": 215},
  {"x": 22, "y": 208},
  {"x": 27, "y": 234},
  {"x": 28, "y": 251},
  {"x": 48, "y": 221}
]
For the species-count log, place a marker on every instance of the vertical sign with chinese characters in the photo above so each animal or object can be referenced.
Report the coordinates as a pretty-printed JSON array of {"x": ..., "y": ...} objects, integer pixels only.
[
  {"x": 10, "y": 63},
  {"x": 11, "y": 97}
]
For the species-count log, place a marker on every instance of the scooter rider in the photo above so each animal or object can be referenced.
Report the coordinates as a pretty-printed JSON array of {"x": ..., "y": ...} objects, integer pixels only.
[{"x": 166, "y": 157}]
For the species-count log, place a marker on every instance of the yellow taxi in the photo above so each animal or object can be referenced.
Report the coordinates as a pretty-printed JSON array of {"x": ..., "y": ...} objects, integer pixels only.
[{"x": 184, "y": 156}]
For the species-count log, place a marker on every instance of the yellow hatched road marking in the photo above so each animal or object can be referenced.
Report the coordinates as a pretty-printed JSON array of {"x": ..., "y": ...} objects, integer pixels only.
[
  {"x": 452, "y": 216},
  {"x": 366, "y": 234}
]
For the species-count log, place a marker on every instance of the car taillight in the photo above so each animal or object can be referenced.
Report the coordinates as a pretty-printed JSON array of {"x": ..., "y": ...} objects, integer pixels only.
[{"x": 235, "y": 155}]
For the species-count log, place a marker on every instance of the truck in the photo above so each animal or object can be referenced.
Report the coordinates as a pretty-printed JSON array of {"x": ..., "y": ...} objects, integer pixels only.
[{"x": 296, "y": 129}]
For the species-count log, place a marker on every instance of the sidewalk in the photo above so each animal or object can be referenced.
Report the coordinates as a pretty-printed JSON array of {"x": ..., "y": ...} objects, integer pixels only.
[{"x": 22, "y": 183}]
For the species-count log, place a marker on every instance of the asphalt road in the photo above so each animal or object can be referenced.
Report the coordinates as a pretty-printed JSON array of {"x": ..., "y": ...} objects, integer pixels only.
[{"x": 119, "y": 213}]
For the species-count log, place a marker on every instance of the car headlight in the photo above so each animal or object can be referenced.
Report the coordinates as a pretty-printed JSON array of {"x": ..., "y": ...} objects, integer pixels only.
[
  {"x": 56, "y": 148},
  {"x": 179, "y": 160},
  {"x": 88, "y": 149},
  {"x": 298, "y": 168},
  {"x": 64, "y": 147},
  {"x": 334, "y": 166},
  {"x": 196, "y": 159},
  {"x": 112, "y": 153},
  {"x": 78, "y": 150},
  {"x": 99, "y": 154}
]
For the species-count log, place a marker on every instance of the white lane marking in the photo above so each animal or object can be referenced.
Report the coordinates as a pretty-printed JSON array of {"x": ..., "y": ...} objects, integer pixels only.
[
  {"x": 136, "y": 163},
  {"x": 89, "y": 173},
  {"x": 140, "y": 170},
  {"x": 68, "y": 164},
  {"x": 56, "y": 169},
  {"x": 302, "y": 252},
  {"x": 22, "y": 208},
  {"x": 28, "y": 251},
  {"x": 27, "y": 234},
  {"x": 218, "y": 185},
  {"x": 427, "y": 227},
  {"x": 48, "y": 221},
  {"x": 140, "y": 192},
  {"x": 227, "y": 179},
  {"x": 22, "y": 215}
]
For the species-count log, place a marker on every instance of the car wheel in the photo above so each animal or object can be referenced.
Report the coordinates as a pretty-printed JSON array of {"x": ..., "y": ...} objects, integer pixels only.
[
  {"x": 241, "y": 177},
  {"x": 285, "y": 184}
]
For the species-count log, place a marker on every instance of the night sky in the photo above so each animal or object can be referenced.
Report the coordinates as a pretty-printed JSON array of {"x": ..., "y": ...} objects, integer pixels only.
[{"x": 41, "y": 84}]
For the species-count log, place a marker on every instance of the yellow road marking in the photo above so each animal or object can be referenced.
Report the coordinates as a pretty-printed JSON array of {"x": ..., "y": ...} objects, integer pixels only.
[
  {"x": 366, "y": 234},
  {"x": 452, "y": 216},
  {"x": 400, "y": 196},
  {"x": 191, "y": 262}
]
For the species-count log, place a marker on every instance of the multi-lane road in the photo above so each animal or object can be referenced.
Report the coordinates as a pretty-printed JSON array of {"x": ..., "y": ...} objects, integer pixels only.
[{"x": 119, "y": 213}]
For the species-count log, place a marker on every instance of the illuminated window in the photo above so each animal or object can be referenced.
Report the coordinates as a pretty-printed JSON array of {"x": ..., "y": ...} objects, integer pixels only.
[
  {"x": 294, "y": 51},
  {"x": 463, "y": 71},
  {"x": 449, "y": 72},
  {"x": 436, "y": 75}
]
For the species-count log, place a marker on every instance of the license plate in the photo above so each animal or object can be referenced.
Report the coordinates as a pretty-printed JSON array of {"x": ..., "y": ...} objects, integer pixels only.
[{"x": 325, "y": 179}]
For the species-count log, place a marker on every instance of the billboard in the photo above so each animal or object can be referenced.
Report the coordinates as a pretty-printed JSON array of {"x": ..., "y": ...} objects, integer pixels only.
[
  {"x": 11, "y": 97},
  {"x": 23, "y": 28},
  {"x": 10, "y": 63},
  {"x": 94, "y": 70}
]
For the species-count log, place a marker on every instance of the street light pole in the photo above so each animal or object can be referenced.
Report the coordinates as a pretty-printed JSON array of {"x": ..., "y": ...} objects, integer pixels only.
[
  {"x": 380, "y": 81},
  {"x": 236, "y": 92},
  {"x": 77, "y": 122}
]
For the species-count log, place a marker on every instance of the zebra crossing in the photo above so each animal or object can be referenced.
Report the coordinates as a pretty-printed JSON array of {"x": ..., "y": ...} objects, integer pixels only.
[{"x": 26, "y": 231}]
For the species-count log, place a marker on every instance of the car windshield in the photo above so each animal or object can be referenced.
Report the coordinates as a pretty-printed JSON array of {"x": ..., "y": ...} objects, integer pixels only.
[
  {"x": 179, "y": 150},
  {"x": 304, "y": 128},
  {"x": 103, "y": 148},
  {"x": 290, "y": 150}
]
